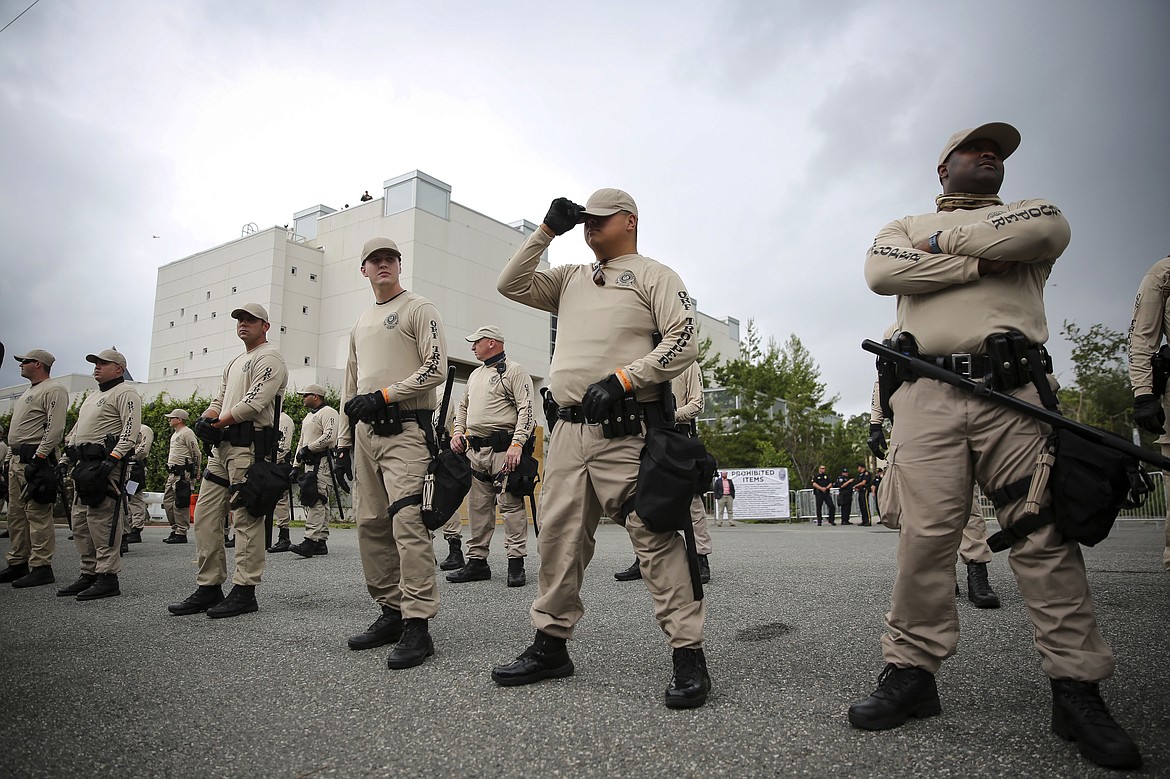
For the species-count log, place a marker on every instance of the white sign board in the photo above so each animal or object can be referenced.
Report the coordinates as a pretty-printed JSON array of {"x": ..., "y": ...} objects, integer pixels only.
[{"x": 760, "y": 493}]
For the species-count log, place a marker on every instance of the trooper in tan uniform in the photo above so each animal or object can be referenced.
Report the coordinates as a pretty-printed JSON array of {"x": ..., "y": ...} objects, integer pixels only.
[
  {"x": 607, "y": 315},
  {"x": 34, "y": 433},
  {"x": 397, "y": 359},
  {"x": 282, "y": 514},
  {"x": 99, "y": 447},
  {"x": 183, "y": 460},
  {"x": 971, "y": 270},
  {"x": 688, "y": 402},
  {"x": 319, "y": 430},
  {"x": 241, "y": 425},
  {"x": 493, "y": 424},
  {"x": 137, "y": 513},
  {"x": 1150, "y": 325}
]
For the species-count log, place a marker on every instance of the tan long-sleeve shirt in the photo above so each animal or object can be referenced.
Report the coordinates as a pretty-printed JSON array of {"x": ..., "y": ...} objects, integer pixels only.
[
  {"x": 603, "y": 329},
  {"x": 116, "y": 411},
  {"x": 1150, "y": 325},
  {"x": 184, "y": 449},
  {"x": 942, "y": 300},
  {"x": 688, "y": 394},
  {"x": 251, "y": 384},
  {"x": 38, "y": 417},
  {"x": 145, "y": 441},
  {"x": 497, "y": 401},
  {"x": 319, "y": 429}
]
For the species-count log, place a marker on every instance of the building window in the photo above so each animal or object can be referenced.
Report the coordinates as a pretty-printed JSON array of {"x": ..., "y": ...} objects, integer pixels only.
[
  {"x": 306, "y": 361},
  {"x": 294, "y": 270},
  {"x": 164, "y": 371},
  {"x": 205, "y": 350},
  {"x": 196, "y": 319},
  {"x": 172, "y": 323},
  {"x": 209, "y": 294},
  {"x": 182, "y": 311},
  {"x": 233, "y": 289},
  {"x": 213, "y": 315},
  {"x": 312, "y": 277},
  {"x": 283, "y": 329},
  {"x": 304, "y": 309},
  {"x": 176, "y": 371},
  {"x": 190, "y": 355}
]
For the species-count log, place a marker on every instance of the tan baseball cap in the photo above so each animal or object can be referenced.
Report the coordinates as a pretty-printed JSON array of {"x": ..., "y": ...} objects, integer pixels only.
[
  {"x": 107, "y": 355},
  {"x": 179, "y": 413},
  {"x": 604, "y": 202},
  {"x": 1006, "y": 136},
  {"x": 252, "y": 309},
  {"x": 487, "y": 331},
  {"x": 374, "y": 244},
  {"x": 313, "y": 389},
  {"x": 40, "y": 355}
]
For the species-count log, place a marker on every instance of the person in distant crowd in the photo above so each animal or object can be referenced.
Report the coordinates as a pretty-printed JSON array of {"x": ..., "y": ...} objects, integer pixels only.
[
  {"x": 319, "y": 431},
  {"x": 282, "y": 514},
  {"x": 35, "y": 431},
  {"x": 606, "y": 357},
  {"x": 970, "y": 274},
  {"x": 1149, "y": 328},
  {"x": 844, "y": 485},
  {"x": 3, "y": 476},
  {"x": 494, "y": 424},
  {"x": 99, "y": 448},
  {"x": 862, "y": 482},
  {"x": 822, "y": 484},
  {"x": 240, "y": 424},
  {"x": 366, "y": 196},
  {"x": 183, "y": 459},
  {"x": 724, "y": 500},
  {"x": 137, "y": 513},
  {"x": 397, "y": 360}
]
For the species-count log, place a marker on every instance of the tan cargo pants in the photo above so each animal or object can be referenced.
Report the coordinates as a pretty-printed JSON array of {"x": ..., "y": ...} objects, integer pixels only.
[
  {"x": 97, "y": 532},
  {"x": 699, "y": 520},
  {"x": 30, "y": 524},
  {"x": 231, "y": 463},
  {"x": 317, "y": 515},
  {"x": 482, "y": 500},
  {"x": 587, "y": 475},
  {"x": 179, "y": 517},
  {"x": 974, "y": 548},
  {"x": 398, "y": 558},
  {"x": 944, "y": 440}
]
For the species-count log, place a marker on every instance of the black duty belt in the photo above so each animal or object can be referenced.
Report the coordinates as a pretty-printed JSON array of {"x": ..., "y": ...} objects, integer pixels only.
[
  {"x": 499, "y": 440},
  {"x": 973, "y": 366},
  {"x": 651, "y": 413},
  {"x": 571, "y": 414}
]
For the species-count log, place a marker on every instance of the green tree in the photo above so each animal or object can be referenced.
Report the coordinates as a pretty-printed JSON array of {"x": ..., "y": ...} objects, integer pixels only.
[{"x": 1101, "y": 394}]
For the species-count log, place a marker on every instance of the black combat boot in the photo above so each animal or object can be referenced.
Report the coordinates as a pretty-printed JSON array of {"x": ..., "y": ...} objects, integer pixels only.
[
  {"x": 547, "y": 658},
  {"x": 476, "y": 570},
  {"x": 704, "y": 569},
  {"x": 901, "y": 693},
  {"x": 322, "y": 547},
  {"x": 516, "y": 576},
  {"x": 979, "y": 588},
  {"x": 14, "y": 572},
  {"x": 134, "y": 536},
  {"x": 83, "y": 583},
  {"x": 241, "y": 600},
  {"x": 386, "y": 630},
  {"x": 306, "y": 548},
  {"x": 175, "y": 538},
  {"x": 124, "y": 548},
  {"x": 41, "y": 574},
  {"x": 414, "y": 647},
  {"x": 455, "y": 558},
  {"x": 204, "y": 597},
  {"x": 106, "y": 586},
  {"x": 629, "y": 574},
  {"x": 1079, "y": 714},
  {"x": 690, "y": 683},
  {"x": 282, "y": 542}
]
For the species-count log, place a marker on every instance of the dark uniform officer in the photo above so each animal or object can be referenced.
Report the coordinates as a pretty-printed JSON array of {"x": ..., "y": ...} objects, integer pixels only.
[
  {"x": 822, "y": 484},
  {"x": 844, "y": 485}
]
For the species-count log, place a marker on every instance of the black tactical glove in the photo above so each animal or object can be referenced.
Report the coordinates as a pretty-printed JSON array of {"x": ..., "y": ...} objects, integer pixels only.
[
  {"x": 550, "y": 407},
  {"x": 205, "y": 430},
  {"x": 304, "y": 453},
  {"x": 343, "y": 462},
  {"x": 39, "y": 468},
  {"x": 1148, "y": 414},
  {"x": 877, "y": 441},
  {"x": 600, "y": 397},
  {"x": 563, "y": 215},
  {"x": 363, "y": 407},
  {"x": 109, "y": 465}
]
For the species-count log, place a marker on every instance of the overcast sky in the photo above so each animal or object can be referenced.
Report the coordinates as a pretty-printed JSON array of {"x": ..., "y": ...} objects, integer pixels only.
[{"x": 765, "y": 142}]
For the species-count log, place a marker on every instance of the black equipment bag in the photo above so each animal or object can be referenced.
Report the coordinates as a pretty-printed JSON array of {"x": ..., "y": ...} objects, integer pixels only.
[
  {"x": 708, "y": 468},
  {"x": 264, "y": 484},
  {"x": 183, "y": 495},
  {"x": 447, "y": 484},
  {"x": 138, "y": 473},
  {"x": 522, "y": 481},
  {"x": 668, "y": 472},
  {"x": 307, "y": 489},
  {"x": 41, "y": 481},
  {"x": 90, "y": 483},
  {"x": 1090, "y": 485}
]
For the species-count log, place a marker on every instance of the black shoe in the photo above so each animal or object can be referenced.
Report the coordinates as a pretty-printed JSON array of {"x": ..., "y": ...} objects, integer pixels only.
[
  {"x": 831, "y": 522},
  {"x": 204, "y": 597},
  {"x": 979, "y": 588},
  {"x": 629, "y": 574},
  {"x": 454, "y": 560},
  {"x": 547, "y": 658},
  {"x": 14, "y": 572},
  {"x": 305, "y": 548},
  {"x": 229, "y": 543},
  {"x": 41, "y": 574},
  {"x": 901, "y": 693},
  {"x": 83, "y": 583},
  {"x": 106, "y": 586},
  {"x": 704, "y": 569},
  {"x": 476, "y": 570},
  {"x": 1079, "y": 714},
  {"x": 4, "y": 533},
  {"x": 241, "y": 600},
  {"x": 134, "y": 536},
  {"x": 322, "y": 546},
  {"x": 282, "y": 543},
  {"x": 690, "y": 683},
  {"x": 122, "y": 550},
  {"x": 387, "y": 629},
  {"x": 413, "y": 648},
  {"x": 175, "y": 538},
  {"x": 516, "y": 575}
]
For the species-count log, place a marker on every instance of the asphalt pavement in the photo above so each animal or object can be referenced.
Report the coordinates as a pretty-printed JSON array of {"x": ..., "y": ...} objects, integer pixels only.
[{"x": 120, "y": 688}]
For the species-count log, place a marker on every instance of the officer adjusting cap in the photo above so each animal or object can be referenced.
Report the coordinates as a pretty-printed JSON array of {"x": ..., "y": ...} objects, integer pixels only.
[{"x": 604, "y": 202}]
